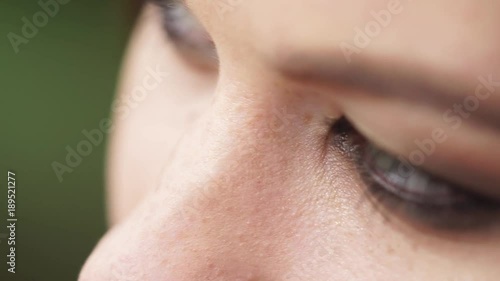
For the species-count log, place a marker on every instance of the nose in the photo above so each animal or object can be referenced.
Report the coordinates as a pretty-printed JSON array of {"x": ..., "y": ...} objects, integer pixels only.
[{"x": 231, "y": 201}]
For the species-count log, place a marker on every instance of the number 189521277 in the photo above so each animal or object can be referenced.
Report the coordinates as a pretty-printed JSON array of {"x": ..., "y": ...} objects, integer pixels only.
[{"x": 11, "y": 194}]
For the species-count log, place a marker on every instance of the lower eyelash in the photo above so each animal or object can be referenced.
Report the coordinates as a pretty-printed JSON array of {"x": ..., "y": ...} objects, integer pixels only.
[{"x": 465, "y": 213}]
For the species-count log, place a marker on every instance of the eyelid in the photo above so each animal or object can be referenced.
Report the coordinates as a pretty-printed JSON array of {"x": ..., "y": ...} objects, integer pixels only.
[
  {"x": 396, "y": 78},
  {"x": 188, "y": 34},
  {"x": 413, "y": 184},
  {"x": 455, "y": 209},
  {"x": 469, "y": 154},
  {"x": 180, "y": 23}
]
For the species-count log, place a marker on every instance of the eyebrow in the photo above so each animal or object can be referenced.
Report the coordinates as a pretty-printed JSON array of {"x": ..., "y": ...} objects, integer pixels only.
[{"x": 401, "y": 80}]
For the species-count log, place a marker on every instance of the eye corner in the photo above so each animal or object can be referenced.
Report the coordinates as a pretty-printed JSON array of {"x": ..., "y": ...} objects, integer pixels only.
[{"x": 445, "y": 209}]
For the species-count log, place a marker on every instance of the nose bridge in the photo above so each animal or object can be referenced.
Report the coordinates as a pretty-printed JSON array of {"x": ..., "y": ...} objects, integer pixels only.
[{"x": 226, "y": 208}]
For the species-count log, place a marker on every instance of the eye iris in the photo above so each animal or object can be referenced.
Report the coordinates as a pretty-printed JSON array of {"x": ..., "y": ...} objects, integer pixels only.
[{"x": 416, "y": 186}]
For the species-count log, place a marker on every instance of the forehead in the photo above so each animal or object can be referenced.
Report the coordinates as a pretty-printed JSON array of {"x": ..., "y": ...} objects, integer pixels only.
[{"x": 456, "y": 36}]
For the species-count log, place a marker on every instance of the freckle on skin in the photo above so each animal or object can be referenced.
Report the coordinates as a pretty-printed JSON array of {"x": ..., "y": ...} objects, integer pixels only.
[{"x": 307, "y": 118}]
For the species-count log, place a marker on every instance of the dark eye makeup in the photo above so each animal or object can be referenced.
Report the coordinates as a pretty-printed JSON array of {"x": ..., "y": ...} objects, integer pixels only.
[{"x": 411, "y": 192}]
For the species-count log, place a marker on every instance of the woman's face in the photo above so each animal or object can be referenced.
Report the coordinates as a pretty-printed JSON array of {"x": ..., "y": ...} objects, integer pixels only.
[{"x": 306, "y": 140}]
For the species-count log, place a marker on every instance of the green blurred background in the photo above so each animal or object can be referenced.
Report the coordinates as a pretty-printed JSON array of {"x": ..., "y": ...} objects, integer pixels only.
[{"x": 61, "y": 82}]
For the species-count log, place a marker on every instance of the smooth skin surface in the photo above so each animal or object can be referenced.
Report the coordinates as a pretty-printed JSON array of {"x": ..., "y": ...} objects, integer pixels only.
[{"x": 230, "y": 174}]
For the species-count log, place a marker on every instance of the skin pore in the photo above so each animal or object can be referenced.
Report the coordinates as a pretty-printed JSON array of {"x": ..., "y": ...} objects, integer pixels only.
[{"x": 239, "y": 167}]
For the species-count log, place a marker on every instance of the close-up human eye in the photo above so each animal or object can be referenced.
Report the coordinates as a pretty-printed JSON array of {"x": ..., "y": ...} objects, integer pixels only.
[
  {"x": 412, "y": 193},
  {"x": 250, "y": 140}
]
